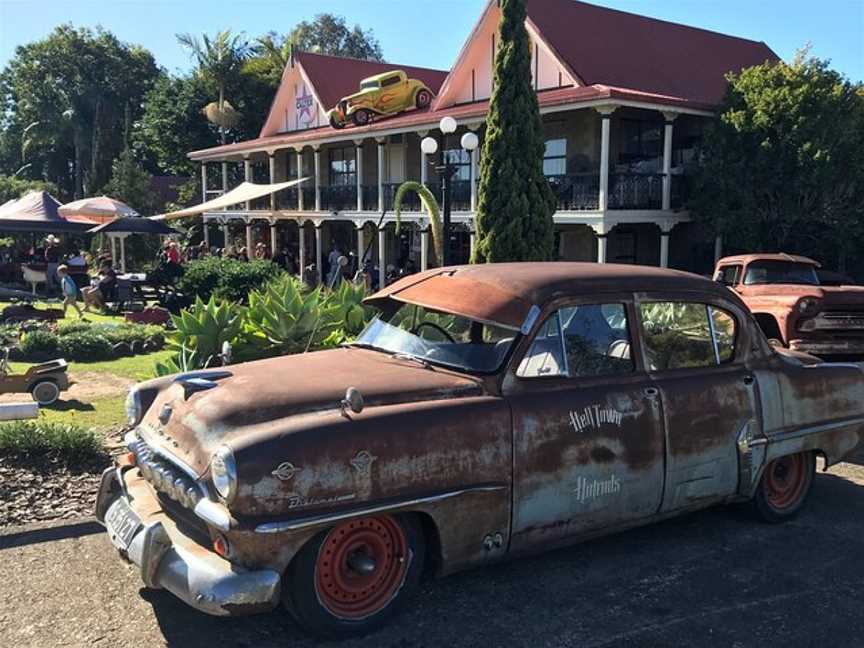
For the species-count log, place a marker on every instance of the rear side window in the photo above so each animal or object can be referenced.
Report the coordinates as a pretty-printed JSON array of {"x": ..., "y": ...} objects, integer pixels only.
[
  {"x": 389, "y": 81},
  {"x": 680, "y": 335},
  {"x": 579, "y": 342}
]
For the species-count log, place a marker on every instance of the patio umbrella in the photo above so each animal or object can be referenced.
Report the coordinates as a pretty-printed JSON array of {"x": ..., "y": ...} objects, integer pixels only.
[
  {"x": 120, "y": 228},
  {"x": 99, "y": 209}
]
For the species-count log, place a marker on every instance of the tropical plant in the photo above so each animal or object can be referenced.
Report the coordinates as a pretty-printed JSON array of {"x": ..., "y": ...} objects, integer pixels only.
[
  {"x": 219, "y": 61},
  {"x": 515, "y": 202},
  {"x": 281, "y": 318},
  {"x": 270, "y": 55},
  {"x": 427, "y": 198},
  {"x": 200, "y": 332},
  {"x": 350, "y": 315},
  {"x": 226, "y": 278}
]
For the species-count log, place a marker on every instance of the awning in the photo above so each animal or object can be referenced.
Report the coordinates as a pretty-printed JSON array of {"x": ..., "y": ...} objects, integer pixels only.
[{"x": 241, "y": 194}]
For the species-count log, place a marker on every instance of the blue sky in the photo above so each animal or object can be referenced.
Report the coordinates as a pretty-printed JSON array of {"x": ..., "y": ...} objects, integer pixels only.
[{"x": 430, "y": 32}]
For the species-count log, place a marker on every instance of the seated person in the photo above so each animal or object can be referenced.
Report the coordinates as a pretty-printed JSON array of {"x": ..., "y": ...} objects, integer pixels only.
[{"x": 103, "y": 291}]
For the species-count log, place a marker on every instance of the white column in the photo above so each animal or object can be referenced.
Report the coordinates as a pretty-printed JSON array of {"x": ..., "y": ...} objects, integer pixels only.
[
  {"x": 247, "y": 176},
  {"x": 718, "y": 248},
  {"x": 664, "y": 248},
  {"x": 601, "y": 248},
  {"x": 300, "y": 175},
  {"x": 424, "y": 248},
  {"x": 301, "y": 244},
  {"x": 122, "y": 241},
  {"x": 203, "y": 182},
  {"x": 474, "y": 154},
  {"x": 424, "y": 172},
  {"x": 206, "y": 230},
  {"x": 273, "y": 244},
  {"x": 360, "y": 244},
  {"x": 317, "y": 179},
  {"x": 319, "y": 253},
  {"x": 471, "y": 241},
  {"x": 226, "y": 234},
  {"x": 358, "y": 166},
  {"x": 381, "y": 174},
  {"x": 382, "y": 256},
  {"x": 667, "y": 159},
  {"x": 605, "y": 118},
  {"x": 224, "y": 181},
  {"x": 249, "y": 249},
  {"x": 271, "y": 159}
]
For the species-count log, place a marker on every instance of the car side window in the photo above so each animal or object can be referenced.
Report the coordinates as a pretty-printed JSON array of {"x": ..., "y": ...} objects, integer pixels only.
[
  {"x": 682, "y": 335},
  {"x": 389, "y": 81},
  {"x": 580, "y": 341}
]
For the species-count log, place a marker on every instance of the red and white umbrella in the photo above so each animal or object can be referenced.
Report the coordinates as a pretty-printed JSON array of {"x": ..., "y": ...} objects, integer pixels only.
[{"x": 96, "y": 210}]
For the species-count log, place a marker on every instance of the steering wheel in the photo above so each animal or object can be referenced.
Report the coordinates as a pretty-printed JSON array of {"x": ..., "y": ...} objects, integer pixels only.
[{"x": 435, "y": 326}]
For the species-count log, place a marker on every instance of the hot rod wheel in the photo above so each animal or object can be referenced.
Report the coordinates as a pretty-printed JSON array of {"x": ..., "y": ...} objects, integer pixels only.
[
  {"x": 351, "y": 578},
  {"x": 784, "y": 486}
]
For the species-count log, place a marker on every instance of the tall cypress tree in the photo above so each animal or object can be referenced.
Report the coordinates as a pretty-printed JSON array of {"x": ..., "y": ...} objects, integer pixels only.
[{"x": 515, "y": 203}]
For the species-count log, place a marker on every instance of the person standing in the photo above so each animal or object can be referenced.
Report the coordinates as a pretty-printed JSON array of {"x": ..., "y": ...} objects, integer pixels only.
[
  {"x": 52, "y": 258},
  {"x": 69, "y": 290}
]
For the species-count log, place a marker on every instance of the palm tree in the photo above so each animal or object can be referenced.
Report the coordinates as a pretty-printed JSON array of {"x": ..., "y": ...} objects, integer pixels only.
[
  {"x": 270, "y": 55},
  {"x": 219, "y": 60}
]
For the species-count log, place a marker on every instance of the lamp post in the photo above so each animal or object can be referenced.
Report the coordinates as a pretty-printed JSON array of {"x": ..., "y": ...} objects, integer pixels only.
[{"x": 444, "y": 169}]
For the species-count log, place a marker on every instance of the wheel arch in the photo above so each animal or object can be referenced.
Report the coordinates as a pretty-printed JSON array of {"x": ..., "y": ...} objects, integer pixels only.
[{"x": 770, "y": 326}]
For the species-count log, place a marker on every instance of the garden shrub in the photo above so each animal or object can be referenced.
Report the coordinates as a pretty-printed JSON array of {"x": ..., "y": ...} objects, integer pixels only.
[
  {"x": 40, "y": 345},
  {"x": 85, "y": 346},
  {"x": 85, "y": 342},
  {"x": 225, "y": 278},
  {"x": 71, "y": 442}
]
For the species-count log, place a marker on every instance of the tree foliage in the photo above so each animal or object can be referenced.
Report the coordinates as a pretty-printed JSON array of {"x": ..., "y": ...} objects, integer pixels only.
[
  {"x": 68, "y": 103},
  {"x": 132, "y": 184},
  {"x": 13, "y": 188},
  {"x": 515, "y": 203},
  {"x": 783, "y": 166},
  {"x": 329, "y": 34}
]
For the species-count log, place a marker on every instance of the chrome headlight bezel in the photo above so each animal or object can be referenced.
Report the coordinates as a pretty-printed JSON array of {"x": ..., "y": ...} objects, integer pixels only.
[
  {"x": 808, "y": 306},
  {"x": 223, "y": 473},
  {"x": 134, "y": 407}
]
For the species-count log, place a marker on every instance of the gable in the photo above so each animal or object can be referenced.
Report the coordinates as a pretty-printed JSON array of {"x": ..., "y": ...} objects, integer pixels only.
[
  {"x": 470, "y": 79},
  {"x": 296, "y": 105}
]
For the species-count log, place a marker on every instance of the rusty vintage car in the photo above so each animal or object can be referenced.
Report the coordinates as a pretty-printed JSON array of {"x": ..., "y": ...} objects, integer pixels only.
[
  {"x": 487, "y": 412},
  {"x": 795, "y": 307}
]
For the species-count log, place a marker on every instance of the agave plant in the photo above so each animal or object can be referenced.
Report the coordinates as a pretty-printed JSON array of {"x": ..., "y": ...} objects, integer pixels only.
[
  {"x": 201, "y": 331},
  {"x": 284, "y": 319},
  {"x": 351, "y": 315}
]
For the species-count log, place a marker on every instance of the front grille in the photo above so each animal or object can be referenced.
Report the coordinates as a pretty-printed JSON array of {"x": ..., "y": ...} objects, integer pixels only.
[
  {"x": 163, "y": 475},
  {"x": 185, "y": 519}
]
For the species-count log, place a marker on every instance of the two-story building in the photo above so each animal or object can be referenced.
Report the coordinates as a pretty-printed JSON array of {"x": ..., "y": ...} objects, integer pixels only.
[{"x": 624, "y": 100}]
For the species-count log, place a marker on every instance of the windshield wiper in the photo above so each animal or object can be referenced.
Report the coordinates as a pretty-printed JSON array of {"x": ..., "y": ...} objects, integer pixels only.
[{"x": 408, "y": 356}]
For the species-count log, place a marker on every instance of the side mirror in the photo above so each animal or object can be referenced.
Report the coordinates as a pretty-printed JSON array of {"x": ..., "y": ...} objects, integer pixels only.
[{"x": 353, "y": 401}]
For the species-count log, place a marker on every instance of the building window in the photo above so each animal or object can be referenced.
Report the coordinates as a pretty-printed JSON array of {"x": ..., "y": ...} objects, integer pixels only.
[
  {"x": 461, "y": 161},
  {"x": 640, "y": 140},
  {"x": 555, "y": 157},
  {"x": 342, "y": 169}
]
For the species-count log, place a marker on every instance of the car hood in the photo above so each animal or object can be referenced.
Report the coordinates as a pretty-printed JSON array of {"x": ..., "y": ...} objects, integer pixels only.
[
  {"x": 262, "y": 395},
  {"x": 829, "y": 295}
]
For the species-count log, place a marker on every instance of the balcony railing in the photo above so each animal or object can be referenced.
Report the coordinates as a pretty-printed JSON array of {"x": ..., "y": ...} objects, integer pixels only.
[
  {"x": 576, "y": 191},
  {"x": 339, "y": 198},
  {"x": 635, "y": 190}
]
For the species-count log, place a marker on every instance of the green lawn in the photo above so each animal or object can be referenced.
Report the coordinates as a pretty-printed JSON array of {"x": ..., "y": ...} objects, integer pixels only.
[
  {"x": 140, "y": 367},
  {"x": 70, "y": 312}
]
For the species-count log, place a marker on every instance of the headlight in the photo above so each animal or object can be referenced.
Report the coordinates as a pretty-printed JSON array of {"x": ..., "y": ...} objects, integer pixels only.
[
  {"x": 134, "y": 410},
  {"x": 223, "y": 472},
  {"x": 808, "y": 306}
]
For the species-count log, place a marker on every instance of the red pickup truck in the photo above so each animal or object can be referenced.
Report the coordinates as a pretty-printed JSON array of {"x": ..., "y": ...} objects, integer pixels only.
[{"x": 791, "y": 305}]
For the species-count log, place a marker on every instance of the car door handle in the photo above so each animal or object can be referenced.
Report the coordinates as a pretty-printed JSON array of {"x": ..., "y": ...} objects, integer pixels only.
[{"x": 651, "y": 392}]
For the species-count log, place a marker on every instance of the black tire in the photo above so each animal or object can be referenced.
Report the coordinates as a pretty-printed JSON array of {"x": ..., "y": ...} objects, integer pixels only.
[
  {"x": 362, "y": 117},
  {"x": 335, "y": 123},
  {"x": 307, "y": 602},
  {"x": 45, "y": 392},
  {"x": 780, "y": 497},
  {"x": 422, "y": 98}
]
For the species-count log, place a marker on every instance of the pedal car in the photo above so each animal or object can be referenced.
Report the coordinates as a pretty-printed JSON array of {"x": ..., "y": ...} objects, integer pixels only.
[{"x": 43, "y": 381}]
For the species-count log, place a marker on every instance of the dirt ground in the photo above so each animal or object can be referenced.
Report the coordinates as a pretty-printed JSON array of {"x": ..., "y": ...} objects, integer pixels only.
[
  {"x": 86, "y": 387},
  {"x": 716, "y": 578}
]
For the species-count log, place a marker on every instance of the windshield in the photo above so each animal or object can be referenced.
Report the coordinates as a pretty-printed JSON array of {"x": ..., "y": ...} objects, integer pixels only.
[
  {"x": 439, "y": 338},
  {"x": 780, "y": 272}
]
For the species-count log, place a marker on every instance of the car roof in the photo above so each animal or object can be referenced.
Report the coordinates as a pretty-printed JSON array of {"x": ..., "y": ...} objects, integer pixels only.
[
  {"x": 383, "y": 75},
  {"x": 765, "y": 256},
  {"x": 504, "y": 293}
]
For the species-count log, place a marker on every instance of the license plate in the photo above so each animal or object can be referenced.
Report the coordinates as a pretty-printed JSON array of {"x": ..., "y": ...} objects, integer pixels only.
[{"x": 122, "y": 523}]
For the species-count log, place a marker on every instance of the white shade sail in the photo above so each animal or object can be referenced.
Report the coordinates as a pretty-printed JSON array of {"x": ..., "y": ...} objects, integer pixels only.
[{"x": 240, "y": 194}]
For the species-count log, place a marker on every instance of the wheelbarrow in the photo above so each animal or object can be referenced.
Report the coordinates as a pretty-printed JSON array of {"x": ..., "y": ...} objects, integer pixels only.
[{"x": 43, "y": 381}]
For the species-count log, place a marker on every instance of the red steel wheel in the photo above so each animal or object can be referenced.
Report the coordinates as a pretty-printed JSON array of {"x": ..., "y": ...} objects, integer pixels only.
[
  {"x": 785, "y": 485},
  {"x": 361, "y": 566}
]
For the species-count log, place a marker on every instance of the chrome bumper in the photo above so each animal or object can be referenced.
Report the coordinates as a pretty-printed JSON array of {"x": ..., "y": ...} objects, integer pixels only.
[{"x": 170, "y": 560}]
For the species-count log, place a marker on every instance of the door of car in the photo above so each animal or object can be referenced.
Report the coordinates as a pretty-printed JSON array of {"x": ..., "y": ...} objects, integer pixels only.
[
  {"x": 588, "y": 440},
  {"x": 708, "y": 394}
]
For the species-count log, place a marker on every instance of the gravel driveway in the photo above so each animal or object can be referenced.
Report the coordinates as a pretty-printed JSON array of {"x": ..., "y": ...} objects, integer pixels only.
[{"x": 716, "y": 578}]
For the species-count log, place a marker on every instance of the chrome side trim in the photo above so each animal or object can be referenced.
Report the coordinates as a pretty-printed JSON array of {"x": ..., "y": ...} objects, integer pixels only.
[
  {"x": 329, "y": 518},
  {"x": 794, "y": 433}
]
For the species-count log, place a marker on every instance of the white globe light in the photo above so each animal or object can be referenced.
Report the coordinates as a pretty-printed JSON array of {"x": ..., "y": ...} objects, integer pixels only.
[
  {"x": 447, "y": 125},
  {"x": 429, "y": 145},
  {"x": 469, "y": 141}
]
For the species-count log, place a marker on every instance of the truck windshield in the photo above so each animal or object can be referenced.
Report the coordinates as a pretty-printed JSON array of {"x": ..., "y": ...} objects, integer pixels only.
[
  {"x": 780, "y": 272},
  {"x": 439, "y": 338}
]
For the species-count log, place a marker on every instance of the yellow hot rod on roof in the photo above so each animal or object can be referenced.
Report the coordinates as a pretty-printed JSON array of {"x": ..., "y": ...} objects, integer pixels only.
[{"x": 383, "y": 94}]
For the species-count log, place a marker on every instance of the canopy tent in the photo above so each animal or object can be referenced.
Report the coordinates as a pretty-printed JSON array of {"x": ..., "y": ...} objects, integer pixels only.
[
  {"x": 244, "y": 192},
  {"x": 96, "y": 210},
  {"x": 120, "y": 228},
  {"x": 36, "y": 211}
]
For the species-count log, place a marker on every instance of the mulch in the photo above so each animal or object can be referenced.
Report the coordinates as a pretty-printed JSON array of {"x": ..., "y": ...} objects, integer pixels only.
[{"x": 35, "y": 489}]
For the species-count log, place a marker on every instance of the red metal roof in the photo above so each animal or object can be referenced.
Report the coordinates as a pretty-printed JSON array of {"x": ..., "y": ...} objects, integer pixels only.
[
  {"x": 335, "y": 76},
  {"x": 624, "y": 50}
]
